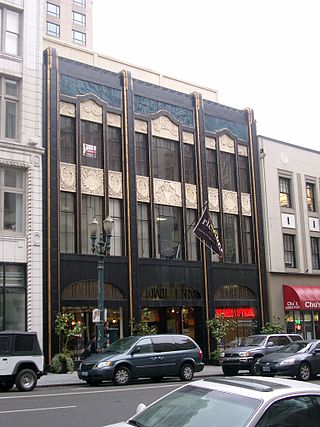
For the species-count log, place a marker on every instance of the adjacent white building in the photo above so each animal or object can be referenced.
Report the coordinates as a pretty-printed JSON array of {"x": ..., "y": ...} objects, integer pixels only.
[
  {"x": 290, "y": 178},
  {"x": 21, "y": 295}
]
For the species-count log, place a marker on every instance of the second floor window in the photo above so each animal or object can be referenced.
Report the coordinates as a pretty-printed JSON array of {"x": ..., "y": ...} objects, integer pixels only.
[
  {"x": 189, "y": 164},
  {"x": 285, "y": 192},
  {"x": 143, "y": 223},
  {"x": 91, "y": 144},
  {"x": 289, "y": 250},
  {"x": 310, "y": 193},
  {"x": 231, "y": 239},
  {"x": 67, "y": 222},
  {"x": 228, "y": 171},
  {"x": 12, "y": 189},
  {"x": 53, "y": 30},
  {"x": 315, "y": 253},
  {"x": 212, "y": 171},
  {"x": 244, "y": 174},
  {"x": 168, "y": 232},
  {"x": 165, "y": 154},
  {"x": 142, "y": 163},
  {"x": 115, "y": 148},
  {"x": 67, "y": 139},
  {"x": 9, "y": 31}
]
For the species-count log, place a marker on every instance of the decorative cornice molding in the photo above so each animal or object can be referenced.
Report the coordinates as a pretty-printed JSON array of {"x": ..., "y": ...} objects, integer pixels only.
[
  {"x": 16, "y": 147},
  {"x": 115, "y": 185},
  {"x": 167, "y": 192},
  {"x": 140, "y": 126},
  {"x": 91, "y": 111},
  {"x": 143, "y": 189},
  {"x": 68, "y": 177},
  {"x": 246, "y": 204},
  {"x": 213, "y": 195},
  {"x": 92, "y": 181},
  {"x": 165, "y": 128},
  {"x": 191, "y": 196},
  {"x": 226, "y": 144},
  {"x": 230, "y": 202},
  {"x": 67, "y": 109}
]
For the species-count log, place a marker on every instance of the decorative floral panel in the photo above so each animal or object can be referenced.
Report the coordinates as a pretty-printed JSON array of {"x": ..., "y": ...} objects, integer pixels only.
[
  {"x": 167, "y": 192},
  {"x": 68, "y": 177},
  {"x": 67, "y": 109},
  {"x": 230, "y": 202},
  {"x": 92, "y": 181},
  {"x": 188, "y": 138},
  {"x": 115, "y": 185},
  {"x": 210, "y": 143},
  {"x": 242, "y": 150},
  {"x": 91, "y": 111},
  {"x": 246, "y": 204},
  {"x": 114, "y": 120},
  {"x": 165, "y": 128},
  {"x": 226, "y": 144},
  {"x": 191, "y": 196},
  {"x": 140, "y": 126},
  {"x": 143, "y": 189},
  {"x": 213, "y": 196}
]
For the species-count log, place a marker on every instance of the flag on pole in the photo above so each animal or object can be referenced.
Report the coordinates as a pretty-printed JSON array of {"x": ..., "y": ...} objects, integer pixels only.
[{"x": 206, "y": 232}]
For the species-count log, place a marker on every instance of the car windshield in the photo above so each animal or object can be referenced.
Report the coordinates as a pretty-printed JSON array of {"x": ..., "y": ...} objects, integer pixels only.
[
  {"x": 296, "y": 347},
  {"x": 253, "y": 340},
  {"x": 121, "y": 345},
  {"x": 193, "y": 406}
]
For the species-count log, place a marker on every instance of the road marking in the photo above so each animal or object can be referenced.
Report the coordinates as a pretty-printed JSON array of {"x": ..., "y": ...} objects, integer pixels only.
[
  {"x": 37, "y": 409},
  {"x": 122, "y": 389}
]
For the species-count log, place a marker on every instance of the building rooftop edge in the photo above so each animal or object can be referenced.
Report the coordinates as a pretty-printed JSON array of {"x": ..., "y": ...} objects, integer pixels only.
[{"x": 289, "y": 144}]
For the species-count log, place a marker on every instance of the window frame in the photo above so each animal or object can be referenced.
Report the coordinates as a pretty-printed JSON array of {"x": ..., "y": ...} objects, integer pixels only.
[
  {"x": 82, "y": 21},
  {"x": 143, "y": 230},
  {"x": 282, "y": 193},
  {"x": 142, "y": 154},
  {"x": 6, "y": 98},
  {"x": 56, "y": 10},
  {"x": 5, "y": 31},
  {"x": 160, "y": 148},
  {"x": 311, "y": 196},
  {"x": 315, "y": 252},
  {"x": 55, "y": 34},
  {"x": 289, "y": 250},
  {"x": 79, "y": 40}
]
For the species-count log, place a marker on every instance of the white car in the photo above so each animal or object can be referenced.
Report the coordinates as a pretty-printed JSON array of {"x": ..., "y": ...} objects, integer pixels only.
[{"x": 234, "y": 402}]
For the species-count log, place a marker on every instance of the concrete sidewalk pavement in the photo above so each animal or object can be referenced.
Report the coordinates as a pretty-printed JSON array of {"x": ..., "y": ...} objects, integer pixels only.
[{"x": 72, "y": 377}]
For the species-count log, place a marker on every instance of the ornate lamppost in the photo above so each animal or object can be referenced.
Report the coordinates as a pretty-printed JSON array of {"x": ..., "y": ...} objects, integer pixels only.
[{"x": 102, "y": 249}]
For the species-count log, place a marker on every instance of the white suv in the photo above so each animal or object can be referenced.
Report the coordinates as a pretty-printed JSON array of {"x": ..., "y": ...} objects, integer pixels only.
[{"x": 21, "y": 360}]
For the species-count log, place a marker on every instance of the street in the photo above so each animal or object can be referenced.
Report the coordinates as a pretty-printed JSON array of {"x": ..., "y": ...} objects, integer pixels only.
[{"x": 80, "y": 405}]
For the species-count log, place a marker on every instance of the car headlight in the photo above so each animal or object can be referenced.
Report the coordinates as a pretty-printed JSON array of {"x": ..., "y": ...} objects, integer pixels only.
[
  {"x": 222, "y": 354},
  {"x": 290, "y": 361},
  {"x": 245, "y": 354},
  {"x": 101, "y": 365}
]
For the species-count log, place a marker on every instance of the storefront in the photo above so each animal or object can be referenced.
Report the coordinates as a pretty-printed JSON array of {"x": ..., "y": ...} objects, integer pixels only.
[{"x": 302, "y": 309}]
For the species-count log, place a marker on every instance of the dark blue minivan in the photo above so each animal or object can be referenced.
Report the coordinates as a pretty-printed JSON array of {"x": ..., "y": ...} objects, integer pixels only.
[{"x": 150, "y": 356}]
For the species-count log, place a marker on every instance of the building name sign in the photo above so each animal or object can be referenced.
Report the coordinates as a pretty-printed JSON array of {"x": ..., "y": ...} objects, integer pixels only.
[
  {"x": 238, "y": 312},
  {"x": 171, "y": 292}
]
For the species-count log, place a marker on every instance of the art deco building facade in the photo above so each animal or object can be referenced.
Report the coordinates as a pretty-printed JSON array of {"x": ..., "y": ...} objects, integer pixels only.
[
  {"x": 21, "y": 302},
  {"x": 150, "y": 154},
  {"x": 290, "y": 187}
]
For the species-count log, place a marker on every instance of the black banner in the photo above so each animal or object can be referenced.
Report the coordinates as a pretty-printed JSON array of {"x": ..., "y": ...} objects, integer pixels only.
[{"x": 206, "y": 232}]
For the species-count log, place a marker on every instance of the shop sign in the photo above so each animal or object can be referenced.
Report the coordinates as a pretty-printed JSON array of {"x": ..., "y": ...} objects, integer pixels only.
[
  {"x": 236, "y": 312},
  {"x": 171, "y": 292}
]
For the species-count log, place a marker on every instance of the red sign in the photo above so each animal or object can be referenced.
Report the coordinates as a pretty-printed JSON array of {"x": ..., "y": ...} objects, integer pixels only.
[{"x": 246, "y": 312}]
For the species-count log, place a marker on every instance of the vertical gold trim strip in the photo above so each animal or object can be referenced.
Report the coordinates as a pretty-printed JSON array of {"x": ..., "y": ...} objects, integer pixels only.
[
  {"x": 125, "y": 100},
  {"x": 254, "y": 190}
]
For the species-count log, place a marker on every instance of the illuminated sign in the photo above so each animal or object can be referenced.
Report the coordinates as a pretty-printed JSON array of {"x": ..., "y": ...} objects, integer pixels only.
[{"x": 245, "y": 312}]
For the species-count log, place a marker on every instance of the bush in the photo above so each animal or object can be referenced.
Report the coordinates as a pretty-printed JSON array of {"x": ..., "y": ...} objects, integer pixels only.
[{"x": 62, "y": 363}]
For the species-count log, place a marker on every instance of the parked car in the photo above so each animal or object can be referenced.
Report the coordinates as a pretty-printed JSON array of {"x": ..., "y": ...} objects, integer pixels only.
[
  {"x": 234, "y": 402},
  {"x": 299, "y": 359},
  {"x": 154, "y": 356},
  {"x": 245, "y": 356},
  {"x": 21, "y": 360}
]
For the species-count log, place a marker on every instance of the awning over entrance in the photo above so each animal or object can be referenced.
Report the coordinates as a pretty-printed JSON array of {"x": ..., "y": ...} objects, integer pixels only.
[{"x": 301, "y": 297}]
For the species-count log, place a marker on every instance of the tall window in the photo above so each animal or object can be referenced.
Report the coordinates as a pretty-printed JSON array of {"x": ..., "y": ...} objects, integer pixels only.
[
  {"x": 189, "y": 164},
  {"x": 247, "y": 239},
  {"x": 67, "y": 139},
  {"x": 12, "y": 297},
  {"x": 12, "y": 187},
  {"x": 115, "y": 149},
  {"x": 228, "y": 171},
  {"x": 53, "y": 9},
  {"x": 80, "y": 3},
  {"x": 166, "y": 159},
  {"x": 91, "y": 144},
  {"x": 315, "y": 253},
  {"x": 285, "y": 192},
  {"x": 231, "y": 238},
  {"x": 116, "y": 212},
  {"x": 67, "y": 223},
  {"x": 216, "y": 223},
  {"x": 79, "y": 18},
  {"x": 9, "y": 31},
  {"x": 310, "y": 192},
  {"x": 192, "y": 241},
  {"x": 244, "y": 174},
  {"x": 91, "y": 208},
  {"x": 143, "y": 222},
  {"x": 168, "y": 232},
  {"x": 289, "y": 250},
  {"x": 53, "y": 30},
  {"x": 212, "y": 170},
  {"x": 142, "y": 163},
  {"x": 9, "y": 101},
  {"x": 78, "y": 37}
]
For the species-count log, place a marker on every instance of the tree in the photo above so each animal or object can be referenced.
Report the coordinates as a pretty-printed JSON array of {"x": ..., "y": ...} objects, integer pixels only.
[
  {"x": 219, "y": 327},
  {"x": 274, "y": 327},
  {"x": 143, "y": 328},
  {"x": 66, "y": 327}
]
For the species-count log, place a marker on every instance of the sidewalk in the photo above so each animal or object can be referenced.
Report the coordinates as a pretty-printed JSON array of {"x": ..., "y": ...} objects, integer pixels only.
[{"x": 50, "y": 380}]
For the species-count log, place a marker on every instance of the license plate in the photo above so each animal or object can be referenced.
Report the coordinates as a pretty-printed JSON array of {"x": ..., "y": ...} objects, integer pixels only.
[
  {"x": 84, "y": 374},
  {"x": 265, "y": 368}
]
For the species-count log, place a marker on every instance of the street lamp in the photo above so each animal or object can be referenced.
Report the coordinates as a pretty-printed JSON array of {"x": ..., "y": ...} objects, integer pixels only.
[{"x": 101, "y": 248}]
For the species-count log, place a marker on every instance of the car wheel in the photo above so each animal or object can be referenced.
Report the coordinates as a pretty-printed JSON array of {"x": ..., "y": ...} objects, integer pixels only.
[
  {"x": 186, "y": 372},
  {"x": 156, "y": 379},
  {"x": 230, "y": 371},
  {"x": 6, "y": 385},
  {"x": 254, "y": 370},
  {"x": 93, "y": 382},
  {"x": 26, "y": 380},
  {"x": 122, "y": 376},
  {"x": 305, "y": 372}
]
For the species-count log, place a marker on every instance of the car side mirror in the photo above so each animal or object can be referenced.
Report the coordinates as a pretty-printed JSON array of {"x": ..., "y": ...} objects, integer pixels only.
[
  {"x": 135, "y": 350},
  {"x": 270, "y": 344},
  {"x": 141, "y": 407}
]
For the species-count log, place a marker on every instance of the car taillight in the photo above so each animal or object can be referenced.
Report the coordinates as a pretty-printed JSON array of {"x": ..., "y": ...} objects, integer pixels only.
[{"x": 200, "y": 354}]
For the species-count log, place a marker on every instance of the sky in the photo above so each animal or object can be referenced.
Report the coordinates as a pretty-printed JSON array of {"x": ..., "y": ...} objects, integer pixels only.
[{"x": 262, "y": 54}]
